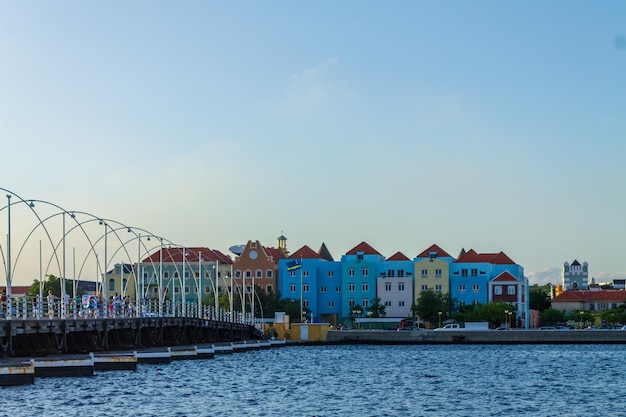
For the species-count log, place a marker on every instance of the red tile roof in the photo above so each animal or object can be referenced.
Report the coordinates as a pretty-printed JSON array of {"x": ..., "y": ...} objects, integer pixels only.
[
  {"x": 363, "y": 247},
  {"x": 584, "y": 295},
  {"x": 305, "y": 252},
  {"x": 433, "y": 248},
  {"x": 505, "y": 276},
  {"x": 175, "y": 255},
  {"x": 471, "y": 256},
  {"x": 16, "y": 289},
  {"x": 275, "y": 253},
  {"x": 398, "y": 256}
]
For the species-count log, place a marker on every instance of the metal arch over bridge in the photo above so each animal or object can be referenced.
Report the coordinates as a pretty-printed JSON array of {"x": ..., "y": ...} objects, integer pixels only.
[{"x": 69, "y": 323}]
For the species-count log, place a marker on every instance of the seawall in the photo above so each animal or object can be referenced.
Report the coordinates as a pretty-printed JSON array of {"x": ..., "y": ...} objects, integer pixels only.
[{"x": 478, "y": 337}]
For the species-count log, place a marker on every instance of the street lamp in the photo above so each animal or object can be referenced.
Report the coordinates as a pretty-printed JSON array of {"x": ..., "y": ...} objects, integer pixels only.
[
  {"x": 369, "y": 315},
  {"x": 439, "y": 313},
  {"x": 581, "y": 319},
  {"x": 506, "y": 319}
]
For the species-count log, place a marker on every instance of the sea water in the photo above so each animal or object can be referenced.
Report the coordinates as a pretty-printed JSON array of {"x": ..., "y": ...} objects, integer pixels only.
[{"x": 348, "y": 380}]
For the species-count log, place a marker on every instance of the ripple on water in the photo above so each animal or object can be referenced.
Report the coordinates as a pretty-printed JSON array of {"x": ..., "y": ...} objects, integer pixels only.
[{"x": 324, "y": 381}]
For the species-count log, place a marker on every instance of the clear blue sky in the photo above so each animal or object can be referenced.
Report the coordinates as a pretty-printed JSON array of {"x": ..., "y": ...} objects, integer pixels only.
[{"x": 486, "y": 125}]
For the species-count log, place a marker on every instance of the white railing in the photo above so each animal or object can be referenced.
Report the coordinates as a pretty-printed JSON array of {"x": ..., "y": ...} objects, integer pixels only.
[{"x": 33, "y": 308}]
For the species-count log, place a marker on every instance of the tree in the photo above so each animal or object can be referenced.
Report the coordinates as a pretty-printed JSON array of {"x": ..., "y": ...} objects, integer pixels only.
[
  {"x": 539, "y": 299},
  {"x": 551, "y": 316},
  {"x": 376, "y": 309},
  {"x": 495, "y": 313},
  {"x": 53, "y": 284},
  {"x": 430, "y": 303}
]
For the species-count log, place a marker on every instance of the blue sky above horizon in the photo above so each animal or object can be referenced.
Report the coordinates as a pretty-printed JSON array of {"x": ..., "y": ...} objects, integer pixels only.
[{"x": 485, "y": 125}]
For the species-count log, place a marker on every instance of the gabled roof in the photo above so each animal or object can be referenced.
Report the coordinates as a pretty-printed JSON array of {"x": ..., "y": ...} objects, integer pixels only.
[
  {"x": 472, "y": 256},
  {"x": 363, "y": 247},
  {"x": 194, "y": 254},
  {"x": 305, "y": 252},
  {"x": 575, "y": 263},
  {"x": 434, "y": 248},
  {"x": 325, "y": 253},
  {"x": 582, "y": 296},
  {"x": 398, "y": 256},
  {"x": 275, "y": 253},
  {"x": 505, "y": 277}
]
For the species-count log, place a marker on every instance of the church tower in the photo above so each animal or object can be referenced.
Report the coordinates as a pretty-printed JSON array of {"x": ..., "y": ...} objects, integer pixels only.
[{"x": 282, "y": 244}]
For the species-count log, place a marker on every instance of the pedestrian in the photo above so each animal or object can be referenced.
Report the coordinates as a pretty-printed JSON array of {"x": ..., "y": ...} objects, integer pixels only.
[{"x": 50, "y": 304}]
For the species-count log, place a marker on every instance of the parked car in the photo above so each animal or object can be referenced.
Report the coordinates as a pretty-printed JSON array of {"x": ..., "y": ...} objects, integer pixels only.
[
  {"x": 502, "y": 328},
  {"x": 547, "y": 328},
  {"x": 562, "y": 327}
]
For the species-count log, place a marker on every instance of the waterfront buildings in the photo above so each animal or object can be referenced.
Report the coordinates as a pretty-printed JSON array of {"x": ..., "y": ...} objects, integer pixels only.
[
  {"x": 337, "y": 292},
  {"x": 340, "y": 291}
]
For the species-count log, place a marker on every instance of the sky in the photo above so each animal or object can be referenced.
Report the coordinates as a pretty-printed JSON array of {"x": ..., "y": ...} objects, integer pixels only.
[{"x": 485, "y": 125}]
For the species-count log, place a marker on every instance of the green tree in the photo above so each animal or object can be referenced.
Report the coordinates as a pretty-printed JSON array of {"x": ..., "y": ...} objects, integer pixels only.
[
  {"x": 376, "y": 309},
  {"x": 551, "y": 316},
  {"x": 495, "y": 313},
  {"x": 430, "y": 303},
  {"x": 51, "y": 283},
  {"x": 613, "y": 316},
  {"x": 539, "y": 299}
]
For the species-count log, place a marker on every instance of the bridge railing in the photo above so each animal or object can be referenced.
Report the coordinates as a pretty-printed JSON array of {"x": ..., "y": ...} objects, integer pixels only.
[{"x": 94, "y": 307}]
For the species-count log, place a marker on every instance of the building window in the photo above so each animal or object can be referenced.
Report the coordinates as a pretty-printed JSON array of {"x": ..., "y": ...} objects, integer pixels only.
[
  {"x": 391, "y": 273},
  {"x": 511, "y": 290},
  {"x": 269, "y": 273},
  {"x": 292, "y": 273},
  {"x": 186, "y": 274},
  {"x": 166, "y": 274},
  {"x": 322, "y": 289},
  {"x": 387, "y": 303},
  {"x": 237, "y": 274},
  {"x": 365, "y": 302},
  {"x": 292, "y": 287},
  {"x": 187, "y": 289},
  {"x": 462, "y": 288},
  {"x": 464, "y": 272},
  {"x": 438, "y": 288},
  {"x": 351, "y": 287},
  {"x": 196, "y": 275},
  {"x": 400, "y": 273},
  {"x": 351, "y": 302},
  {"x": 176, "y": 290},
  {"x": 400, "y": 303},
  {"x": 475, "y": 287},
  {"x": 259, "y": 273},
  {"x": 350, "y": 272},
  {"x": 269, "y": 288},
  {"x": 145, "y": 275},
  {"x": 400, "y": 286},
  {"x": 207, "y": 289},
  {"x": 365, "y": 287},
  {"x": 331, "y": 304},
  {"x": 305, "y": 273},
  {"x": 424, "y": 287},
  {"x": 437, "y": 273},
  {"x": 248, "y": 273},
  {"x": 424, "y": 273},
  {"x": 305, "y": 303},
  {"x": 206, "y": 274},
  {"x": 365, "y": 272},
  {"x": 474, "y": 272},
  {"x": 461, "y": 303},
  {"x": 497, "y": 290},
  {"x": 331, "y": 273},
  {"x": 111, "y": 284},
  {"x": 338, "y": 288},
  {"x": 175, "y": 274},
  {"x": 387, "y": 286},
  {"x": 305, "y": 287}
]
